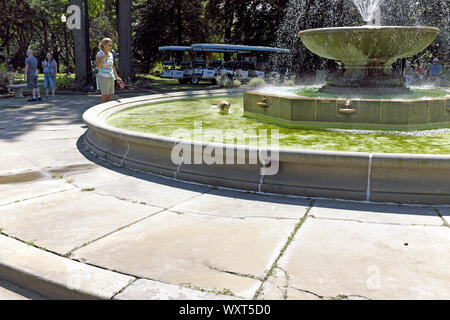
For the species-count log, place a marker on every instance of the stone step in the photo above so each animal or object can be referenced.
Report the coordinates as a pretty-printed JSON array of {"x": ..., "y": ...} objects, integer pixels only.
[{"x": 10, "y": 291}]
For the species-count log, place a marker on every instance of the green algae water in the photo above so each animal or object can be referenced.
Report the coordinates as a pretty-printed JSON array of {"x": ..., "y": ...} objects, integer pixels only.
[
  {"x": 179, "y": 118},
  {"x": 417, "y": 93}
]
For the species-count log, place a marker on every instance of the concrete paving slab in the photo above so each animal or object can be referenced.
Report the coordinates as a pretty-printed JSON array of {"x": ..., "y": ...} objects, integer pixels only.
[
  {"x": 55, "y": 277},
  {"x": 9, "y": 291},
  {"x": 208, "y": 252},
  {"x": 67, "y": 220},
  {"x": 241, "y": 204},
  {"x": 152, "y": 190},
  {"x": 15, "y": 192},
  {"x": 332, "y": 258},
  {"x": 46, "y": 134},
  {"x": 144, "y": 289},
  {"x": 56, "y": 158},
  {"x": 376, "y": 213},
  {"x": 38, "y": 146},
  {"x": 9, "y": 163},
  {"x": 94, "y": 178}
]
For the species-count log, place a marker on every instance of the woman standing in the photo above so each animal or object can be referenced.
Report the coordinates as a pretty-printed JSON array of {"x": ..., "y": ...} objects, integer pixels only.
[
  {"x": 421, "y": 70},
  {"x": 49, "y": 65},
  {"x": 107, "y": 73}
]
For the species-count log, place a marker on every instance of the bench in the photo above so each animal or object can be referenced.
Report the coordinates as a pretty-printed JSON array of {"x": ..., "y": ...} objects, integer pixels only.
[{"x": 18, "y": 88}]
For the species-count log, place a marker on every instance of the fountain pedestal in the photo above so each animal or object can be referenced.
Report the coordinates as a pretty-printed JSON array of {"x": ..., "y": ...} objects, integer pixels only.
[
  {"x": 366, "y": 55},
  {"x": 365, "y": 93}
]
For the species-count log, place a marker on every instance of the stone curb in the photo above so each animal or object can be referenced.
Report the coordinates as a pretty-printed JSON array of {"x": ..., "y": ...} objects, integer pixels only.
[{"x": 54, "y": 277}]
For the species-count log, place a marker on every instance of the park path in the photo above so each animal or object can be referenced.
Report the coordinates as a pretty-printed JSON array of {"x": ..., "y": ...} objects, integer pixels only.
[{"x": 75, "y": 226}]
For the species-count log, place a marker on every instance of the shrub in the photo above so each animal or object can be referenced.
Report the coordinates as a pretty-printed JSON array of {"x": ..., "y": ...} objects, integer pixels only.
[
  {"x": 6, "y": 78},
  {"x": 65, "y": 83},
  {"x": 256, "y": 82},
  {"x": 157, "y": 70},
  {"x": 236, "y": 83},
  {"x": 289, "y": 83}
]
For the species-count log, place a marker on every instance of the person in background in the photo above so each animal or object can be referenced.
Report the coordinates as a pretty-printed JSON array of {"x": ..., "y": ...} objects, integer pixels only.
[
  {"x": 107, "y": 73},
  {"x": 435, "y": 71},
  {"x": 49, "y": 65},
  {"x": 421, "y": 70},
  {"x": 408, "y": 73},
  {"x": 30, "y": 75}
]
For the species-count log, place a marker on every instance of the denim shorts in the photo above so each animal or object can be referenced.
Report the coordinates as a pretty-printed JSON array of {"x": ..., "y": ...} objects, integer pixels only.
[
  {"x": 49, "y": 81},
  {"x": 32, "y": 81}
]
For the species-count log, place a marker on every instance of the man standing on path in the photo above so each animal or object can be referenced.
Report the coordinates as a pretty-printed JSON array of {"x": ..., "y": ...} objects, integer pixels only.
[{"x": 30, "y": 74}]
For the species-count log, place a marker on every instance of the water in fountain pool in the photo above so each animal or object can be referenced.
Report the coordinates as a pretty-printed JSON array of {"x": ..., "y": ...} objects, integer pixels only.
[{"x": 170, "y": 118}]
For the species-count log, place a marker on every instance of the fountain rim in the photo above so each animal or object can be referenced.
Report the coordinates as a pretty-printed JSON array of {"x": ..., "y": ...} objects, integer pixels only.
[
  {"x": 96, "y": 116},
  {"x": 367, "y": 28},
  {"x": 360, "y": 176}
]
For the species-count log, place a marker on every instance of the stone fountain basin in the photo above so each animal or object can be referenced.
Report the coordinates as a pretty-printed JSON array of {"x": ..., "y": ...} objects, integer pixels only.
[
  {"x": 401, "y": 178},
  {"x": 368, "y": 45}
]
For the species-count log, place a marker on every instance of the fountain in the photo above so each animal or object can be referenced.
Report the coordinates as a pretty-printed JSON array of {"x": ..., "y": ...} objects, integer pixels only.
[
  {"x": 365, "y": 92},
  {"x": 396, "y": 166}
]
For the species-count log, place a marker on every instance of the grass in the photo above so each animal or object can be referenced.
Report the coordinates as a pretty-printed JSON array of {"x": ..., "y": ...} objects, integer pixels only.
[
  {"x": 150, "y": 81},
  {"x": 19, "y": 77},
  {"x": 87, "y": 189},
  {"x": 31, "y": 243}
]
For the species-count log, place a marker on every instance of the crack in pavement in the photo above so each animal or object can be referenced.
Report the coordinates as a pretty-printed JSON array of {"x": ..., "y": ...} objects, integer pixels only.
[
  {"x": 69, "y": 253},
  {"x": 243, "y": 275},
  {"x": 444, "y": 222},
  {"x": 338, "y": 297},
  {"x": 124, "y": 288},
  {"x": 375, "y": 222},
  {"x": 35, "y": 197},
  {"x": 283, "y": 250}
]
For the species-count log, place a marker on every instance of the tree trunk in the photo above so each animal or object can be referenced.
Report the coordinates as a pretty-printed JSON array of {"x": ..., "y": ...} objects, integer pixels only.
[
  {"x": 229, "y": 16},
  {"x": 44, "y": 27},
  {"x": 79, "y": 49},
  {"x": 179, "y": 20},
  {"x": 124, "y": 28}
]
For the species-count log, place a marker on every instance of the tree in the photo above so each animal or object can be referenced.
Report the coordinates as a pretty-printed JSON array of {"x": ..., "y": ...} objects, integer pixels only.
[
  {"x": 167, "y": 22},
  {"x": 310, "y": 14},
  {"x": 79, "y": 41},
  {"x": 124, "y": 28},
  {"x": 434, "y": 13}
]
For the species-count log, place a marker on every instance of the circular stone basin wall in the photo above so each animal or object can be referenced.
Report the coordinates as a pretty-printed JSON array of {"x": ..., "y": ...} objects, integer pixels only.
[
  {"x": 401, "y": 178},
  {"x": 350, "y": 113}
]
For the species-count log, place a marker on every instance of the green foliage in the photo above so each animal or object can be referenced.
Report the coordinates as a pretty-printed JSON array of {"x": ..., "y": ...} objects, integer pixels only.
[
  {"x": 6, "y": 78},
  {"x": 157, "y": 70},
  {"x": 236, "y": 83},
  {"x": 289, "y": 83},
  {"x": 256, "y": 82},
  {"x": 65, "y": 82}
]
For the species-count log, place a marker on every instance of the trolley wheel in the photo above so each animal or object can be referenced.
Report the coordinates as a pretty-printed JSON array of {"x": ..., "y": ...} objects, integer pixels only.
[{"x": 194, "y": 80}]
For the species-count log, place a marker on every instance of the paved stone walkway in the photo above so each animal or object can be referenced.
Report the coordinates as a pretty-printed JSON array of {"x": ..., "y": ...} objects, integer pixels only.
[{"x": 71, "y": 221}]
